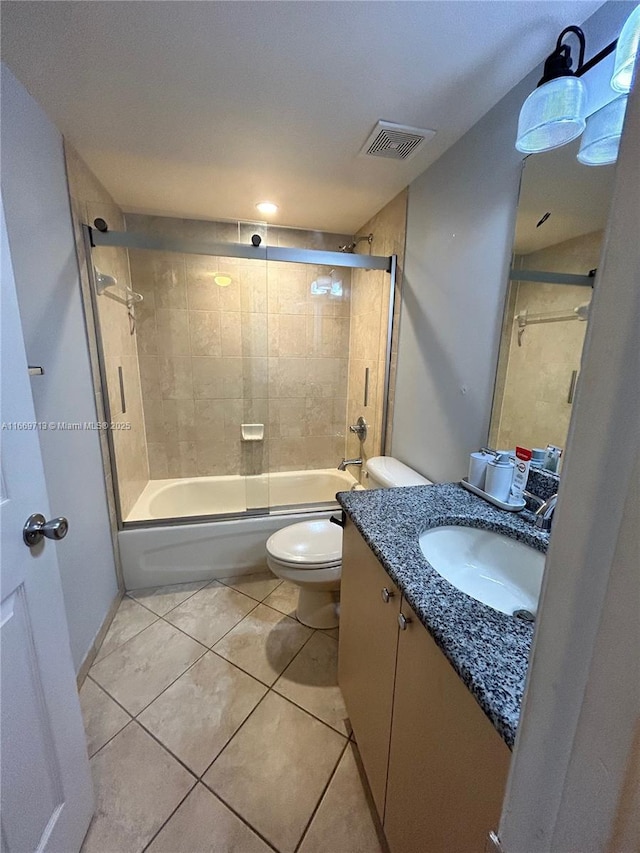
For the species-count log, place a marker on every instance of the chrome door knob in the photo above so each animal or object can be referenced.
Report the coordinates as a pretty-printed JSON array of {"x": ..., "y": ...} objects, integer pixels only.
[
  {"x": 403, "y": 621},
  {"x": 386, "y": 595},
  {"x": 37, "y": 527}
]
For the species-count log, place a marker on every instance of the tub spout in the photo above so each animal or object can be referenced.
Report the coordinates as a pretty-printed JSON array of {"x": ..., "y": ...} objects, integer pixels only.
[{"x": 343, "y": 465}]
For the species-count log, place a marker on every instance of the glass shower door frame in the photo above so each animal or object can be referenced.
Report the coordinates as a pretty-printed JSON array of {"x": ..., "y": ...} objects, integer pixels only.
[{"x": 132, "y": 240}]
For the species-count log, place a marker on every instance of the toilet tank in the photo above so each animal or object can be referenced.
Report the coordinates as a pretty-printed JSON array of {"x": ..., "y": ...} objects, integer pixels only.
[{"x": 385, "y": 472}]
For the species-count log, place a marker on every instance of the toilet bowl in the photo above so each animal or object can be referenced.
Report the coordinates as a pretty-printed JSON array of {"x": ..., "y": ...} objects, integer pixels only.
[{"x": 309, "y": 554}]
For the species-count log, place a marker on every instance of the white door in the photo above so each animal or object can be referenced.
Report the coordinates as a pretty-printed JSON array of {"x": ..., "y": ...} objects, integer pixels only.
[{"x": 47, "y": 796}]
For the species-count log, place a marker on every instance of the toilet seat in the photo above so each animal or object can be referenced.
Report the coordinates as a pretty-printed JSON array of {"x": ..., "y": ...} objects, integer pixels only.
[{"x": 309, "y": 544}]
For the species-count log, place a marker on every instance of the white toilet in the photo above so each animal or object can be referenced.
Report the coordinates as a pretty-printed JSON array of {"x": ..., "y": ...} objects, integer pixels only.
[{"x": 309, "y": 554}]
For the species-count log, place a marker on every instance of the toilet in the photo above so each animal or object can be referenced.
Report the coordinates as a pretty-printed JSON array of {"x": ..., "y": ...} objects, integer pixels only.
[{"x": 309, "y": 554}]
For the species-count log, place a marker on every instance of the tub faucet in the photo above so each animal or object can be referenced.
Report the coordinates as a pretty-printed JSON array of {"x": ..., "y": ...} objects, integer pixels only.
[
  {"x": 343, "y": 465},
  {"x": 544, "y": 513}
]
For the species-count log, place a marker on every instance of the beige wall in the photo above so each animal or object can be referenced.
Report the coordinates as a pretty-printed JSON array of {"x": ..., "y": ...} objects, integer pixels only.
[
  {"x": 263, "y": 350},
  {"x": 90, "y": 200},
  {"x": 369, "y": 323},
  {"x": 534, "y": 410}
]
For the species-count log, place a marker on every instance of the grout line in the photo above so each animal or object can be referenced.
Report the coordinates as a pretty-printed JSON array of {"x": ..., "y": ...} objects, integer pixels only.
[
  {"x": 162, "y": 615},
  {"x": 322, "y": 796},
  {"x": 156, "y": 834},
  {"x": 240, "y": 817},
  {"x": 235, "y": 734},
  {"x": 98, "y": 659}
]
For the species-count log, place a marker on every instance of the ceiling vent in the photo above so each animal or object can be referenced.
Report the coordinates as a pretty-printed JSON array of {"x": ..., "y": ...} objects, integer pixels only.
[{"x": 395, "y": 141}]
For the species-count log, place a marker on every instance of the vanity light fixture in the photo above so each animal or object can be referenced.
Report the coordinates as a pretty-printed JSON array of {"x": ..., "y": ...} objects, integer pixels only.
[
  {"x": 554, "y": 113},
  {"x": 267, "y": 207},
  {"x": 601, "y": 139},
  {"x": 626, "y": 51}
]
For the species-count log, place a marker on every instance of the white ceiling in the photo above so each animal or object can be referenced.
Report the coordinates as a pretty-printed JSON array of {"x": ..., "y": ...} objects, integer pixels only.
[
  {"x": 202, "y": 109},
  {"x": 576, "y": 196}
]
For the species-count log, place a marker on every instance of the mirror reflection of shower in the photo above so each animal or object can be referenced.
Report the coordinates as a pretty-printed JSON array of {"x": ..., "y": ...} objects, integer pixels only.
[{"x": 349, "y": 247}]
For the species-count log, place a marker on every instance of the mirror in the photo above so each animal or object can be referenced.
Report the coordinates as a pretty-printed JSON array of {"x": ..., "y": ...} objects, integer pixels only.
[{"x": 562, "y": 212}]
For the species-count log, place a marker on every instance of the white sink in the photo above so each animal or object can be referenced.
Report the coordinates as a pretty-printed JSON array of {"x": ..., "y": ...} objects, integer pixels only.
[{"x": 490, "y": 567}]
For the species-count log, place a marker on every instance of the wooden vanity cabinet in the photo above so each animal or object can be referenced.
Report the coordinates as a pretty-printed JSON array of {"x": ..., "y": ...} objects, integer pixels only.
[
  {"x": 448, "y": 765},
  {"x": 436, "y": 766},
  {"x": 367, "y": 655}
]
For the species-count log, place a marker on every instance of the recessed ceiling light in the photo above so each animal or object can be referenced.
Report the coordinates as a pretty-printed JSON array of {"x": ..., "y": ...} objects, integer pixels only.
[
  {"x": 222, "y": 279},
  {"x": 267, "y": 207}
]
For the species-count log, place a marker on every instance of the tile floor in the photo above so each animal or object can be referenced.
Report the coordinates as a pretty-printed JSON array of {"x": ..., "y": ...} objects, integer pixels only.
[{"x": 215, "y": 725}]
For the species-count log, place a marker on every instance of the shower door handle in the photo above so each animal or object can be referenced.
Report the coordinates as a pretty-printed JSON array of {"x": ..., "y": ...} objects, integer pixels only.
[{"x": 572, "y": 386}]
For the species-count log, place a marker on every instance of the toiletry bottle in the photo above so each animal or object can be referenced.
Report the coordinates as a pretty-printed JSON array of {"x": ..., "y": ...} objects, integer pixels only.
[
  {"x": 499, "y": 477},
  {"x": 520, "y": 474},
  {"x": 552, "y": 458}
]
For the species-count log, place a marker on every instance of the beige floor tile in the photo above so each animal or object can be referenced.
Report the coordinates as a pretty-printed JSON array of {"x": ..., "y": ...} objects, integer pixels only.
[
  {"x": 311, "y": 681},
  {"x": 343, "y": 821},
  {"x": 130, "y": 619},
  {"x": 137, "y": 786},
  {"x": 258, "y": 586},
  {"x": 332, "y": 632},
  {"x": 264, "y": 643},
  {"x": 196, "y": 716},
  {"x": 284, "y": 598},
  {"x": 162, "y": 599},
  {"x": 211, "y": 612},
  {"x": 203, "y": 824},
  {"x": 103, "y": 718},
  {"x": 140, "y": 670},
  {"x": 275, "y": 769}
]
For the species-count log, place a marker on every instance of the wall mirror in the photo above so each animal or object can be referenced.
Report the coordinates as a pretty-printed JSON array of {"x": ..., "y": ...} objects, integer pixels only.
[{"x": 562, "y": 212}]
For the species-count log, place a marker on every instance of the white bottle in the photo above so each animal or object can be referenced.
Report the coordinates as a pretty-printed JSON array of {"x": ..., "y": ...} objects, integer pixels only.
[
  {"x": 478, "y": 467},
  {"x": 499, "y": 477}
]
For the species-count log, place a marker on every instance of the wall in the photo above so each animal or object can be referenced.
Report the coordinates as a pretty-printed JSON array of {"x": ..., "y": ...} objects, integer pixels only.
[
  {"x": 370, "y": 293},
  {"x": 90, "y": 200},
  {"x": 262, "y": 350},
  {"x": 34, "y": 192},
  {"x": 534, "y": 410}
]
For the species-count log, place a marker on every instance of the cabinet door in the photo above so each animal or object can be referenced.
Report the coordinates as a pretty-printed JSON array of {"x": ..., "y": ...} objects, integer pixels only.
[
  {"x": 367, "y": 655},
  {"x": 447, "y": 765}
]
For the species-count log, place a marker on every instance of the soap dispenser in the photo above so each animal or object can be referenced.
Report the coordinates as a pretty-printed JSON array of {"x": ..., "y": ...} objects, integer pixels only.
[{"x": 499, "y": 477}]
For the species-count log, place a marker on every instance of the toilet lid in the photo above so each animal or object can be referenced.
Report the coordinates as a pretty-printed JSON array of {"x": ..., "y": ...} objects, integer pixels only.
[{"x": 310, "y": 542}]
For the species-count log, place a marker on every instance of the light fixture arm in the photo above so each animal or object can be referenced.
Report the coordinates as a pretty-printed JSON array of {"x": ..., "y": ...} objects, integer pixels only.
[{"x": 580, "y": 35}]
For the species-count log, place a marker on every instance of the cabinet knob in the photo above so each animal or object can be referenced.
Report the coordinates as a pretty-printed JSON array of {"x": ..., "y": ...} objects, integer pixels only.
[
  {"x": 386, "y": 594},
  {"x": 403, "y": 621}
]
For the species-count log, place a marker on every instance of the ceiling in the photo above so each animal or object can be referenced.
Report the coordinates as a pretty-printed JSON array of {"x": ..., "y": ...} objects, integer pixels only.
[
  {"x": 202, "y": 109},
  {"x": 576, "y": 196}
]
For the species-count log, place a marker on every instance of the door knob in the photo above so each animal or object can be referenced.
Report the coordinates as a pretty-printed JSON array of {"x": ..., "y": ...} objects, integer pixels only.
[
  {"x": 37, "y": 527},
  {"x": 386, "y": 594}
]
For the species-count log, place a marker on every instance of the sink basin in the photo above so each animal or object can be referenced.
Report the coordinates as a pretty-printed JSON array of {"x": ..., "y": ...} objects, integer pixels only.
[{"x": 494, "y": 569}]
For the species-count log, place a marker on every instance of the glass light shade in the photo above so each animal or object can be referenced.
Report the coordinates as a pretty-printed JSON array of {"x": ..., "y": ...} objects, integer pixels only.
[
  {"x": 552, "y": 115},
  {"x": 601, "y": 140},
  {"x": 626, "y": 50}
]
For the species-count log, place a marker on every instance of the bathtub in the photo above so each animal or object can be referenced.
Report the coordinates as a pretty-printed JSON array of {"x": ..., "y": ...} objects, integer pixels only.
[{"x": 169, "y": 553}]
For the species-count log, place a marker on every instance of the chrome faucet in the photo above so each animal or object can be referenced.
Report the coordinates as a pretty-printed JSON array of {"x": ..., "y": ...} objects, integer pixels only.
[
  {"x": 343, "y": 465},
  {"x": 544, "y": 513}
]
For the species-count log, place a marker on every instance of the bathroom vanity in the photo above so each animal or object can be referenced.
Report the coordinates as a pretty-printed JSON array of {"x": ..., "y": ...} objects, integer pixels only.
[{"x": 432, "y": 679}]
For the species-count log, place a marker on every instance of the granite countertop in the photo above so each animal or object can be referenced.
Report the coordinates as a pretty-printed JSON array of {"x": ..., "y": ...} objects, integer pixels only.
[{"x": 489, "y": 650}]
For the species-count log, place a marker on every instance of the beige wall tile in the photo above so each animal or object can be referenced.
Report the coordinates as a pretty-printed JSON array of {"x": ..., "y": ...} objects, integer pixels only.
[
  {"x": 287, "y": 335},
  {"x": 231, "y": 333},
  {"x": 204, "y": 329},
  {"x": 176, "y": 381},
  {"x": 254, "y": 335},
  {"x": 173, "y": 330}
]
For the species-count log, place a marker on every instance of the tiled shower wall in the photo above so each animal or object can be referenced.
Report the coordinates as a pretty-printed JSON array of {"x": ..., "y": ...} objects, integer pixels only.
[
  {"x": 262, "y": 350},
  {"x": 369, "y": 325},
  {"x": 89, "y": 200},
  {"x": 534, "y": 388}
]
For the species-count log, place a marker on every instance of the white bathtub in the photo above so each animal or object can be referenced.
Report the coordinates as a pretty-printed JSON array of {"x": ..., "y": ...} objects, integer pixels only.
[{"x": 177, "y": 553}]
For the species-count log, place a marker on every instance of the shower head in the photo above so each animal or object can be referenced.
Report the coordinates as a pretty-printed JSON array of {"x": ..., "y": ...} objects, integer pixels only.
[{"x": 349, "y": 247}]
